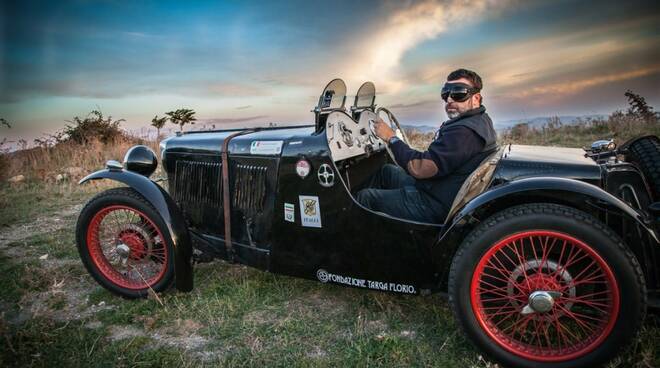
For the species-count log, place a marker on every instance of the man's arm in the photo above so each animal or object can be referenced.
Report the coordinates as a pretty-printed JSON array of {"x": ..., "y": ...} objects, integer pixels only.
[{"x": 445, "y": 154}]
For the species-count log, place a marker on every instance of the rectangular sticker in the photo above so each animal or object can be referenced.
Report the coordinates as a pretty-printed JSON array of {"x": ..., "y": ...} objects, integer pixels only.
[
  {"x": 310, "y": 212},
  {"x": 266, "y": 147},
  {"x": 289, "y": 212}
]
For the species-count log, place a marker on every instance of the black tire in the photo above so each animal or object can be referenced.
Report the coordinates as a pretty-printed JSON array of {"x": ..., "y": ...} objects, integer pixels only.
[
  {"x": 135, "y": 224},
  {"x": 646, "y": 153},
  {"x": 614, "y": 270}
]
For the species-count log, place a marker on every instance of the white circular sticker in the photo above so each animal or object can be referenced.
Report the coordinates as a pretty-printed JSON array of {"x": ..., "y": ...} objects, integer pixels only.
[{"x": 303, "y": 168}]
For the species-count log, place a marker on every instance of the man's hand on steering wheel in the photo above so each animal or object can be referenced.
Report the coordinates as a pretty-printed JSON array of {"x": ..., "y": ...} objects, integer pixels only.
[{"x": 383, "y": 130}]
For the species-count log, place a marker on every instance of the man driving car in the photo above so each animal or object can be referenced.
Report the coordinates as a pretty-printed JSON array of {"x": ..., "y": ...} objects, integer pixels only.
[{"x": 423, "y": 185}]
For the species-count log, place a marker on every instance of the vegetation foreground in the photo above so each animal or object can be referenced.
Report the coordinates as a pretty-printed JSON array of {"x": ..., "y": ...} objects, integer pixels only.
[{"x": 55, "y": 315}]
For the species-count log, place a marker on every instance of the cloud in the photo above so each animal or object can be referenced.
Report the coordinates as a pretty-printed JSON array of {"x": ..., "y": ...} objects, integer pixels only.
[
  {"x": 233, "y": 120},
  {"x": 548, "y": 71},
  {"x": 243, "y": 107},
  {"x": 234, "y": 90},
  {"x": 575, "y": 86},
  {"x": 74, "y": 87},
  {"x": 104, "y": 85},
  {"x": 414, "y": 104},
  {"x": 379, "y": 57},
  {"x": 138, "y": 34}
]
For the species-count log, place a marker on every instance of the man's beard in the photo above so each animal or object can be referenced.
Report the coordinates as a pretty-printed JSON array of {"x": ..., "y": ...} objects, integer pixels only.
[{"x": 453, "y": 113}]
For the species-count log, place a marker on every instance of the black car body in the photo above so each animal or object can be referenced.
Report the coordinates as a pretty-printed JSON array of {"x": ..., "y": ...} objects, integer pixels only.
[{"x": 278, "y": 199}]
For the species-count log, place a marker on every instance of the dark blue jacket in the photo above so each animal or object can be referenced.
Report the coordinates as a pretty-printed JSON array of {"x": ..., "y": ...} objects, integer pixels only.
[{"x": 459, "y": 147}]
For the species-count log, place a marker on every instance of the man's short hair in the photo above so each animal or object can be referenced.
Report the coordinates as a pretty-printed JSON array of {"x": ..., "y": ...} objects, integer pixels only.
[{"x": 473, "y": 77}]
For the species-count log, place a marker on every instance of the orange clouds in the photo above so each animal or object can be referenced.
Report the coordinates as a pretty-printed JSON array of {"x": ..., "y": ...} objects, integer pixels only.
[
  {"x": 545, "y": 71},
  {"x": 575, "y": 86},
  {"x": 379, "y": 57}
]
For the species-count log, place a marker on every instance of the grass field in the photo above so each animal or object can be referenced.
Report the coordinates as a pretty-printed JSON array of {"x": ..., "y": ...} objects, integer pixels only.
[{"x": 55, "y": 315}]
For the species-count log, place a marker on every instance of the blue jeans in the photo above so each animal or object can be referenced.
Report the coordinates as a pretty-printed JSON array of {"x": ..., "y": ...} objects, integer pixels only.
[{"x": 392, "y": 191}]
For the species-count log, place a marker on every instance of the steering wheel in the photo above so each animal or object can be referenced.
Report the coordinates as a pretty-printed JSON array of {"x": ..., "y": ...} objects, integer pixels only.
[{"x": 394, "y": 124}]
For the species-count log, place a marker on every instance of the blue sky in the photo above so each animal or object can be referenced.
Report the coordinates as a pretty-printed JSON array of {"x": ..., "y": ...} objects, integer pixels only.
[{"x": 243, "y": 62}]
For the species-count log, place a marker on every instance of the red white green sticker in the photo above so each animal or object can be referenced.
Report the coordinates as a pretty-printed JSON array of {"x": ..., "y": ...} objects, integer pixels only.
[
  {"x": 289, "y": 212},
  {"x": 266, "y": 147}
]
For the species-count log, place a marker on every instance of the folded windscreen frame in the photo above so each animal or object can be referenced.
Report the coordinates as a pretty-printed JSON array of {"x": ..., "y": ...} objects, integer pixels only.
[
  {"x": 332, "y": 98},
  {"x": 365, "y": 99}
]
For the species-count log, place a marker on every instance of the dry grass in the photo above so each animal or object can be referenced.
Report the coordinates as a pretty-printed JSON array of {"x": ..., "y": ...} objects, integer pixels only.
[
  {"x": 418, "y": 140},
  {"x": 45, "y": 162},
  {"x": 618, "y": 126}
]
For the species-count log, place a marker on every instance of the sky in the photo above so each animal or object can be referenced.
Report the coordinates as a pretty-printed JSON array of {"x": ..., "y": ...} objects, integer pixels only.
[{"x": 245, "y": 63}]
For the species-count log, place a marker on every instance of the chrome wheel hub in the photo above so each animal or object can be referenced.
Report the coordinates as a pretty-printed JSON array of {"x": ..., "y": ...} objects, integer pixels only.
[
  {"x": 540, "y": 302},
  {"x": 123, "y": 251}
]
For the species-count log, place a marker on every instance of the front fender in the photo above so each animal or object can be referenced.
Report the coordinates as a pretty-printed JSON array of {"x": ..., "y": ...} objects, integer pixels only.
[{"x": 168, "y": 210}]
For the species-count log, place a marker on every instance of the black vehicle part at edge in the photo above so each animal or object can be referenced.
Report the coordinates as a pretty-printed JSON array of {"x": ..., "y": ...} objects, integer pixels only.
[
  {"x": 628, "y": 274},
  {"x": 569, "y": 192},
  {"x": 645, "y": 151},
  {"x": 171, "y": 215}
]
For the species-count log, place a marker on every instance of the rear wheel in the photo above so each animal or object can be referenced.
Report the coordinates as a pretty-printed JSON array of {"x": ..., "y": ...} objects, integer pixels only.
[
  {"x": 121, "y": 241},
  {"x": 547, "y": 285}
]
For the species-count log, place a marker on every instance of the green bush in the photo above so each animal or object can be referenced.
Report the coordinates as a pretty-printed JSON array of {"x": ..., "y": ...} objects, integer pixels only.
[{"x": 94, "y": 127}]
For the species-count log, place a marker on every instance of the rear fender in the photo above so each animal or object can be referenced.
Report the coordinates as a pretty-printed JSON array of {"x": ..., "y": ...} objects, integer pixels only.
[
  {"x": 569, "y": 192},
  {"x": 168, "y": 210}
]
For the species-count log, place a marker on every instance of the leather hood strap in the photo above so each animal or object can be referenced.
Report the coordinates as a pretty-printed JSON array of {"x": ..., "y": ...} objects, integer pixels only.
[{"x": 226, "y": 200}]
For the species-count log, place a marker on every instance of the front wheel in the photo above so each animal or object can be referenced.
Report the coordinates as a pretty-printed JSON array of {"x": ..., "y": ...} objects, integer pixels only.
[
  {"x": 122, "y": 242},
  {"x": 545, "y": 285}
]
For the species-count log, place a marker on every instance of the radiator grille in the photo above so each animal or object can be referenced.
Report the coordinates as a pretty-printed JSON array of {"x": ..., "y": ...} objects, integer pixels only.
[
  {"x": 249, "y": 188},
  {"x": 198, "y": 183}
]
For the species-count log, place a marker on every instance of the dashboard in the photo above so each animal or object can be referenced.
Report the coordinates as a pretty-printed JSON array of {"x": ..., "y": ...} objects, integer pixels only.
[{"x": 348, "y": 138}]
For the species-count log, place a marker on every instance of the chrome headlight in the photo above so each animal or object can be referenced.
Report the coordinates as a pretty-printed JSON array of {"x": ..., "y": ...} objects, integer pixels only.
[{"x": 603, "y": 145}]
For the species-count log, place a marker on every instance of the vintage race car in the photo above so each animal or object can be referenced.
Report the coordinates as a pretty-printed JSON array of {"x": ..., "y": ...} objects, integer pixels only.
[{"x": 549, "y": 256}]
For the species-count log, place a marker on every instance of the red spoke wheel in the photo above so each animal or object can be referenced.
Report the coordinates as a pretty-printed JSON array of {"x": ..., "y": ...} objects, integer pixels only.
[
  {"x": 543, "y": 285},
  {"x": 545, "y": 296},
  {"x": 121, "y": 242}
]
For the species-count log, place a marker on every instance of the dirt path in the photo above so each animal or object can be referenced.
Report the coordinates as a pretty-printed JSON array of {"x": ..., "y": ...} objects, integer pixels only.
[
  {"x": 41, "y": 225},
  {"x": 70, "y": 292}
]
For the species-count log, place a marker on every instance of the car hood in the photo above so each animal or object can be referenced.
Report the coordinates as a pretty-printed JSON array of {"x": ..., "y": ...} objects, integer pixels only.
[
  {"x": 521, "y": 161},
  {"x": 211, "y": 142}
]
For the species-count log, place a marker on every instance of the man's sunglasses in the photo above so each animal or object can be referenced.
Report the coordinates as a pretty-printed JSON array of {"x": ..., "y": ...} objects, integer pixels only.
[{"x": 458, "y": 92}]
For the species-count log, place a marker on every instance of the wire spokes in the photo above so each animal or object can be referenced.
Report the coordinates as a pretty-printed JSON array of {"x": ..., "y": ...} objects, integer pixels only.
[
  {"x": 545, "y": 295},
  {"x": 127, "y": 247}
]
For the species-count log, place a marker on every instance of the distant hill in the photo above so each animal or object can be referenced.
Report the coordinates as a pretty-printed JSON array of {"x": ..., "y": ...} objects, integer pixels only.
[
  {"x": 535, "y": 122},
  {"x": 420, "y": 128},
  {"x": 539, "y": 121}
]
